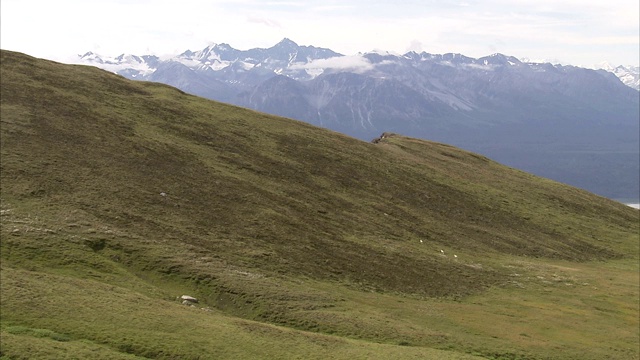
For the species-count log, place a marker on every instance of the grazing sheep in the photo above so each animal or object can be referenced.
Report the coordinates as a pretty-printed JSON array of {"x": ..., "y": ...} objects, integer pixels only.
[{"x": 189, "y": 299}]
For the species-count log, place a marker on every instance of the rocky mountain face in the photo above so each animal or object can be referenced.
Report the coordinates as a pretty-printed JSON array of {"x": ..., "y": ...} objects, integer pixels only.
[{"x": 571, "y": 124}]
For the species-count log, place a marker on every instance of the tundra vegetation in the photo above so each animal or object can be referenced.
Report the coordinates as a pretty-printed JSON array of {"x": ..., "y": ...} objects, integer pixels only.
[{"x": 118, "y": 197}]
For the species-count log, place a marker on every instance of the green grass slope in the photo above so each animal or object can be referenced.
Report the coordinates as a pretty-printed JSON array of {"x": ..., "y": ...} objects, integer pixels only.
[{"x": 118, "y": 196}]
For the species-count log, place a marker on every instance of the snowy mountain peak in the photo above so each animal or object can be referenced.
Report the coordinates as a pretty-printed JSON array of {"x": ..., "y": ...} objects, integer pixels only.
[
  {"x": 128, "y": 58},
  {"x": 87, "y": 54},
  {"x": 91, "y": 57},
  {"x": 605, "y": 66},
  {"x": 286, "y": 42},
  {"x": 629, "y": 75}
]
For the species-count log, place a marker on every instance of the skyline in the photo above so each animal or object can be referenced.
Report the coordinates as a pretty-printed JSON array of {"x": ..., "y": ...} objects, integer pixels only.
[{"x": 581, "y": 33}]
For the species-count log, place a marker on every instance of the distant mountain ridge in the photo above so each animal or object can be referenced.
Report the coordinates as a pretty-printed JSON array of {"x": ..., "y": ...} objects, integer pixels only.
[{"x": 571, "y": 124}]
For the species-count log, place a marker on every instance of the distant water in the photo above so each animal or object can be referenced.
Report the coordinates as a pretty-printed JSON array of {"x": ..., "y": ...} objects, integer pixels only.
[{"x": 637, "y": 206}]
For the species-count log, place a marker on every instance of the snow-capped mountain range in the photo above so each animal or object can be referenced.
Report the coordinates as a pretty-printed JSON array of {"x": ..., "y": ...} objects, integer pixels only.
[
  {"x": 562, "y": 122},
  {"x": 629, "y": 75},
  {"x": 300, "y": 62},
  {"x": 281, "y": 59}
]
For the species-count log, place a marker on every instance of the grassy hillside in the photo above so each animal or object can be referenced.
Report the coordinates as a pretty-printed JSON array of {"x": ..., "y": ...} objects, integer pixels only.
[{"x": 118, "y": 196}]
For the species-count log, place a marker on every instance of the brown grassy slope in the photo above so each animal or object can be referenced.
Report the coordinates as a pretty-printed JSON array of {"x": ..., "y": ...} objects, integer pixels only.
[{"x": 273, "y": 195}]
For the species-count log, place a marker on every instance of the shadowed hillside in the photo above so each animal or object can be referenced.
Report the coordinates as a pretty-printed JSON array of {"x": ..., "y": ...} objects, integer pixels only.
[{"x": 126, "y": 188}]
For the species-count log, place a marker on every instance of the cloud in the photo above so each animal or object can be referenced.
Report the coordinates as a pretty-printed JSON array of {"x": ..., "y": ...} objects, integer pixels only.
[
  {"x": 333, "y": 8},
  {"x": 416, "y": 46},
  {"x": 264, "y": 21},
  {"x": 355, "y": 63}
]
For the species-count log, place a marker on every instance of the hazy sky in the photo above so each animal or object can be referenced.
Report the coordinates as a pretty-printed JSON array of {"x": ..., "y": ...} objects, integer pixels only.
[{"x": 578, "y": 32}]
